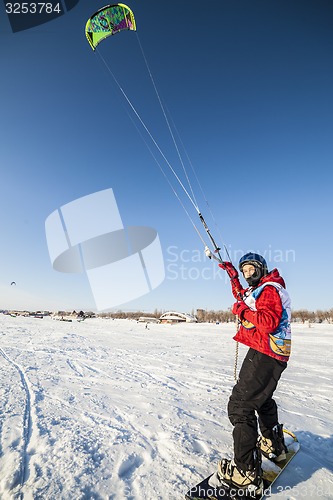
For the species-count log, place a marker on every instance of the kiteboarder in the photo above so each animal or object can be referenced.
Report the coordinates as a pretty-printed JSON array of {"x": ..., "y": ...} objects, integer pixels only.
[{"x": 263, "y": 311}]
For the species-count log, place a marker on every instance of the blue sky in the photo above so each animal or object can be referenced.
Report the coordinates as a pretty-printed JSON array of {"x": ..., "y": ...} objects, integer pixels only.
[{"x": 249, "y": 86}]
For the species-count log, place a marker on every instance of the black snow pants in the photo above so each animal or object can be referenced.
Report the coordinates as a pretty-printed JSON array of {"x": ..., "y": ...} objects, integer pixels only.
[{"x": 258, "y": 378}]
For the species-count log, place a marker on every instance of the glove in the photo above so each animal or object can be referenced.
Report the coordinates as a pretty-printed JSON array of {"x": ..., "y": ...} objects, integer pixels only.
[
  {"x": 232, "y": 272},
  {"x": 239, "y": 308}
]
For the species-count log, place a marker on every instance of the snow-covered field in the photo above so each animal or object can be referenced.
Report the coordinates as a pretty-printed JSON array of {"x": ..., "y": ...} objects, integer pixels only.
[{"x": 107, "y": 409}]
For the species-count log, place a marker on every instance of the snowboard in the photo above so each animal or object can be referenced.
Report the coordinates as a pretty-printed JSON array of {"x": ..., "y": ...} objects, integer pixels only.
[{"x": 212, "y": 489}]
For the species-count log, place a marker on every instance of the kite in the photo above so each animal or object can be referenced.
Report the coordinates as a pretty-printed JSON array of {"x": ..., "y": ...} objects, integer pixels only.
[{"x": 108, "y": 21}]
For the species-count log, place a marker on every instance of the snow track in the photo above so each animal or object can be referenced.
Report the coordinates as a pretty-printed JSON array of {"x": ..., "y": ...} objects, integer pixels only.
[
  {"x": 22, "y": 473},
  {"x": 107, "y": 410}
]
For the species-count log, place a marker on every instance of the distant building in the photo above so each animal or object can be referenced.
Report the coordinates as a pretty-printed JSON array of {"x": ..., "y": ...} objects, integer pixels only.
[
  {"x": 177, "y": 317},
  {"x": 148, "y": 319}
]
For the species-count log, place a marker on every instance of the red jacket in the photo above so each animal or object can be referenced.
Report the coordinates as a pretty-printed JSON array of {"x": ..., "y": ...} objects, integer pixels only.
[{"x": 265, "y": 323}]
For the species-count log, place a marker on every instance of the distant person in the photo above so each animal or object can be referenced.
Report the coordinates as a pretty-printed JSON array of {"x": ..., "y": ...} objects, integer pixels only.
[{"x": 263, "y": 311}]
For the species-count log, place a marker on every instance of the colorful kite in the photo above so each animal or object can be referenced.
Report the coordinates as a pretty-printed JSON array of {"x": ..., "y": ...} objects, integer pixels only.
[{"x": 108, "y": 21}]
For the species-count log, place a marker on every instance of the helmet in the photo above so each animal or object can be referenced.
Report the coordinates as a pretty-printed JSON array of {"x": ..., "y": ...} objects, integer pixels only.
[{"x": 259, "y": 264}]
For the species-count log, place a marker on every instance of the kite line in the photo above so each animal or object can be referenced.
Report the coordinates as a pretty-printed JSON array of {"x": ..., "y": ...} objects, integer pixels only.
[{"x": 111, "y": 20}]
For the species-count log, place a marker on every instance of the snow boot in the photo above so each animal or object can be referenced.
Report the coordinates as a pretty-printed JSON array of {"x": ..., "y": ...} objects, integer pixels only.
[
  {"x": 249, "y": 480},
  {"x": 274, "y": 447}
]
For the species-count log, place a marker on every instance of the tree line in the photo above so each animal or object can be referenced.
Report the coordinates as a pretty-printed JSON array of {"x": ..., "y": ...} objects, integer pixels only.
[
  {"x": 211, "y": 316},
  {"x": 297, "y": 316}
]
